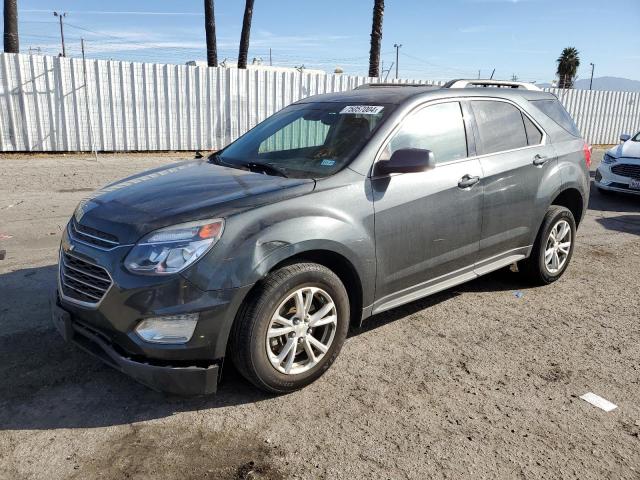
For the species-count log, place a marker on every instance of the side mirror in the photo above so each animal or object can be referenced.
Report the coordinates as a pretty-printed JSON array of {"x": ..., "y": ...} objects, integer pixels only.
[
  {"x": 407, "y": 160},
  {"x": 624, "y": 137}
]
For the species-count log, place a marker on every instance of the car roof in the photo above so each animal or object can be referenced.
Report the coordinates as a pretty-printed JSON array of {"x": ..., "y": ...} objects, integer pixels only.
[{"x": 398, "y": 94}]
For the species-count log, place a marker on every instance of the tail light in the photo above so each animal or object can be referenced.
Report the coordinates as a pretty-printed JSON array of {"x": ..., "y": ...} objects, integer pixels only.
[{"x": 587, "y": 154}]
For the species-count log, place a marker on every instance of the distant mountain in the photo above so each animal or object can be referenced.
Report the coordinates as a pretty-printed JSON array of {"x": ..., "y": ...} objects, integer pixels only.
[{"x": 605, "y": 83}]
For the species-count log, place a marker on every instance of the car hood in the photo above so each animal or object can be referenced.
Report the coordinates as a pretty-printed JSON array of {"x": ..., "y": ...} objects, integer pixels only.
[
  {"x": 628, "y": 149},
  {"x": 181, "y": 192}
]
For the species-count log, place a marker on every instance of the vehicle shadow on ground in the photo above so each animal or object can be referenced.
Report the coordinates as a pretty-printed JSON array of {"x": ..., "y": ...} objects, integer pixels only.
[
  {"x": 48, "y": 384},
  {"x": 612, "y": 201},
  {"x": 622, "y": 223}
]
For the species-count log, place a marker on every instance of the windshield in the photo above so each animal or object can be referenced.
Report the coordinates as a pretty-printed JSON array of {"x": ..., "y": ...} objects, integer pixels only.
[
  {"x": 636, "y": 138},
  {"x": 308, "y": 140}
]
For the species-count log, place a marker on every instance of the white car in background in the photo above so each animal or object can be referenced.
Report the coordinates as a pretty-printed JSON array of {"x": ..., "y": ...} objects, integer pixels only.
[{"x": 620, "y": 167}]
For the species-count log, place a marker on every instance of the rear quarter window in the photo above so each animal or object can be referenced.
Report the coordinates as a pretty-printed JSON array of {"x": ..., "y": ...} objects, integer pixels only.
[{"x": 556, "y": 112}]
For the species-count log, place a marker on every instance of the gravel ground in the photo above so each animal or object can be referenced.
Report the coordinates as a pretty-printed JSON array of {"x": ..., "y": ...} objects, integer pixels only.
[{"x": 470, "y": 383}]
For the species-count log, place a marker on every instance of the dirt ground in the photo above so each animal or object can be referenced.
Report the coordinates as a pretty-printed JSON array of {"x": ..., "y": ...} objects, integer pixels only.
[{"x": 475, "y": 382}]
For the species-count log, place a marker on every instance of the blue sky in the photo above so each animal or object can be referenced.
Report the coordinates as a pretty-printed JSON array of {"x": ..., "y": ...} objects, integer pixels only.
[{"x": 441, "y": 40}]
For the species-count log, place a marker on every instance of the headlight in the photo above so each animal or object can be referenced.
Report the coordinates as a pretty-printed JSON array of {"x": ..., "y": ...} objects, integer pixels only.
[
  {"x": 172, "y": 249},
  {"x": 608, "y": 159}
]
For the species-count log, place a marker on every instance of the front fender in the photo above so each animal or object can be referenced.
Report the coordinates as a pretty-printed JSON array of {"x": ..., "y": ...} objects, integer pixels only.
[{"x": 255, "y": 241}]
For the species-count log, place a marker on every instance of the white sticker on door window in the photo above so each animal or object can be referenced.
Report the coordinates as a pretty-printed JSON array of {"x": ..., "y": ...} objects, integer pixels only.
[{"x": 362, "y": 109}]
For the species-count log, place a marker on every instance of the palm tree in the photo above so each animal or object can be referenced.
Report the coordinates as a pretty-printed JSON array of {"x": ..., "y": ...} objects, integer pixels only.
[
  {"x": 376, "y": 38},
  {"x": 568, "y": 63},
  {"x": 11, "y": 26},
  {"x": 244, "y": 36},
  {"x": 210, "y": 31}
]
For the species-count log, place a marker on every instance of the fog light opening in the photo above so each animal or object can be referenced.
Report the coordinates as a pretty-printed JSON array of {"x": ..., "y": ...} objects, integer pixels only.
[{"x": 173, "y": 329}]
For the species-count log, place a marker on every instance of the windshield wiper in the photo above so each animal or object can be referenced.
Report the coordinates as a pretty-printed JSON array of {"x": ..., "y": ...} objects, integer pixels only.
[
  {"x": 264, "y": 168},
  {"x": 257, "y": 167}
]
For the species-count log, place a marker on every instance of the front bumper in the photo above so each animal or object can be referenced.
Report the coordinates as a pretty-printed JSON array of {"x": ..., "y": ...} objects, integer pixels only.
[
  {"x": 605, "y": 179},
  {"x": 106, "y": 328},
  {"x": 161, "y": 376}
]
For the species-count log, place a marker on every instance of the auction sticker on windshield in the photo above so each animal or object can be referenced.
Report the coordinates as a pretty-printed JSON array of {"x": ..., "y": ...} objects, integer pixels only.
[{"x": 362, "y": 109}]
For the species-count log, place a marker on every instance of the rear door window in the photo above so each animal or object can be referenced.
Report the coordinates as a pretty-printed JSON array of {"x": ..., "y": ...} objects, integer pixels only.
[
  {"x": 556, "y": 112},
  {"x": 500, "y": 126},
  {"x": 534, "y": 136}
]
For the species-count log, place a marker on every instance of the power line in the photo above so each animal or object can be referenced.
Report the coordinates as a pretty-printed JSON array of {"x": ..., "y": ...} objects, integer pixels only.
[{"x": 115, "y": 12}]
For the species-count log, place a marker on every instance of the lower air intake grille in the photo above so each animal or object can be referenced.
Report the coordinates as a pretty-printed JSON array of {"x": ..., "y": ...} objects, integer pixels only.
[
  {"x": 82, "y": 281},
  {"x": 626, "y": 170}
]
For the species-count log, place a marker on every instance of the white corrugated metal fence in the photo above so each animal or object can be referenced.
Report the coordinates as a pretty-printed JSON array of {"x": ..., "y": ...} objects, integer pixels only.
[{"x": 46, "y": 104}]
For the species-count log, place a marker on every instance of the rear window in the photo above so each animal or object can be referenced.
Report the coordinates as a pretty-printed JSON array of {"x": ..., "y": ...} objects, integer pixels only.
[{"x": 556, "y": 112}]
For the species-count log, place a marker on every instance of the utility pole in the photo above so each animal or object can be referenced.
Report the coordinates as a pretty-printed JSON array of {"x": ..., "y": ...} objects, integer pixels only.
[
  {"x": 397, "y": 47},
  {"x": 61, "y": 16},
  {"x": 11, "y": 43},
  {"x": 591, "y": 81},
  {"x": 270, "y": 62}
]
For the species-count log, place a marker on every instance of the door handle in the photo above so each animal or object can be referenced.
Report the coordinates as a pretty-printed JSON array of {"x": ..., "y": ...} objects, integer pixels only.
[
  {"x": 539, "y": 160},
  {"x": 468, "y": 181}
]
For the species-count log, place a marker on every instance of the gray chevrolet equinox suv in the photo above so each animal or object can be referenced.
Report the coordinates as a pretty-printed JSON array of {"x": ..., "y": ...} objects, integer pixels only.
[{"x": 338, "y": 207}]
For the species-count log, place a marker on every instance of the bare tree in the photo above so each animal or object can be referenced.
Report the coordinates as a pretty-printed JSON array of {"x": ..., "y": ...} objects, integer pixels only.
[
  {"x": 11, "y": 43},
  {"x": 376, "y": 38},
  {"x": 246, "y": 32},
  {"x": 210, "y": 30}
]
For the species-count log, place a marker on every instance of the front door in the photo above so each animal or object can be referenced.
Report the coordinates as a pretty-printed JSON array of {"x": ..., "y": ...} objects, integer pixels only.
[{"x": 427, "y": 224}]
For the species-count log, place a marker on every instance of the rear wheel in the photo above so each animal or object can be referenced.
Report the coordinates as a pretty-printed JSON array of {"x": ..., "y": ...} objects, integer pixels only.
[
  {"x": 553, "y": 247},
  {"x": 291, "y": 329}
]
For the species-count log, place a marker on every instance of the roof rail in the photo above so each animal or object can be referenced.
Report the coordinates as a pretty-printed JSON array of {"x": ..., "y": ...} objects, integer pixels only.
[
  {"x": 390, "y": 84},
  {"x": 461, "y": 83}
]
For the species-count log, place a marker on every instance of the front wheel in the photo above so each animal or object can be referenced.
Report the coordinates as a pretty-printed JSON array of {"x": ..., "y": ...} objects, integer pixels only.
[
  {"x": 553, "y": 247},
  {"x": 290, "y": 330}
]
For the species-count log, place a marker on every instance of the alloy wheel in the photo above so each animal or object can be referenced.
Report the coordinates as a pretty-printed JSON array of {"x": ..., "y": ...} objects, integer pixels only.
[
  {"x": 558, "y": 247},
  {"x": 301, "y": 330}
]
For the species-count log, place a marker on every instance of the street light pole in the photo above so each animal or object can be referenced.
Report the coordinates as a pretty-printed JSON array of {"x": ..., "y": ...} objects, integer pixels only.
[
  {"x": 61, "y": 16},
  {"x": 397, "y": 47},
  {"x": 591, "y": 81}
]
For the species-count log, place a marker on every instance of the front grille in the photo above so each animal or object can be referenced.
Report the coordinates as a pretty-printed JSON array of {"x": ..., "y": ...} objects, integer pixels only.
[
  {"x": 626, "y": 170},
  {"x": 82, "y": 281},
  {"x": 102, "y": 240}
]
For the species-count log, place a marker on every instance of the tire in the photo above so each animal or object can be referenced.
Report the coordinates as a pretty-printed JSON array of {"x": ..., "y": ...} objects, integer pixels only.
[
  {"x": 536, "y": 268},
  {"x": 253, "y": 354}
]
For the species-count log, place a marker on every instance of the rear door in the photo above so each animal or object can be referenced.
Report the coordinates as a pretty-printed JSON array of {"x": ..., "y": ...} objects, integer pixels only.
[
  {"x": 427, "y": 227},
  {"x": 517, "y": 165}
]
